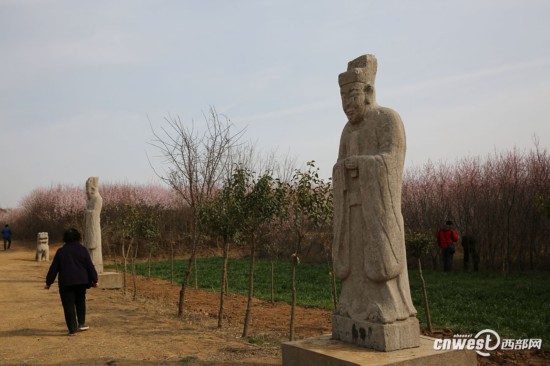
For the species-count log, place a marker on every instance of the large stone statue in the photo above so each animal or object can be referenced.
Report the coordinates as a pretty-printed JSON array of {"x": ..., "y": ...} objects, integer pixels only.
[
  {"x": 92, "y": 232},
  {"x": 375, "y": 309},
  {"x": 42, "y": 247}
]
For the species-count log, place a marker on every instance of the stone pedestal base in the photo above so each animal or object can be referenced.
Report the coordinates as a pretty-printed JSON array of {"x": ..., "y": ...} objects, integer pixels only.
[
  {"x": 324, "y": 351},
  {"x": 380, "y": 337},
  {"x": 110, "y": 280}
]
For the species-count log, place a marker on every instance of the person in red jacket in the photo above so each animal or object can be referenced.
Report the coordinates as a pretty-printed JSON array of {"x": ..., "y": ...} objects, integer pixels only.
[{"x": 446, "y": 238}]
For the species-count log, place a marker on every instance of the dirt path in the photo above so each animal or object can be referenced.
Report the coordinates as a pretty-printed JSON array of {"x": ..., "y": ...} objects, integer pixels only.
[{"x": 123, "y": 332}]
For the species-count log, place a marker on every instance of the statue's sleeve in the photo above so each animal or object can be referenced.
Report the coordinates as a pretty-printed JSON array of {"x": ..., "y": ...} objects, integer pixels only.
[
  {"x": 340, "y": 246},
  {"x": 381, "y": 177}
]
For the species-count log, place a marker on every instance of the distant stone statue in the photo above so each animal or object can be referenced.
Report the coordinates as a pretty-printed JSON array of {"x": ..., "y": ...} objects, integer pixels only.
[
  {"x": 92, "y": 232},
  {"x": 42, "y": 247},
  {"x": 375, "y": 309}
]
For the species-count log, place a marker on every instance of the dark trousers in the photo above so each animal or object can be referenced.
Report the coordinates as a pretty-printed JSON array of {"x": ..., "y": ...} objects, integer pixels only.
[
  {"x": 7, "y": 243},
  {"x": 469, "y": 251},
  {"x": 73, "y": 299},
  {"x": 447, "y": 259}
]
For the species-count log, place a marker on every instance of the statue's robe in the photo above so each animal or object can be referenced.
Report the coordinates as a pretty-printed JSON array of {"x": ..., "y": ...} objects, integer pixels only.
[
  {"x": 92, "y": 235},
  {"x": 369, "y": 241}
]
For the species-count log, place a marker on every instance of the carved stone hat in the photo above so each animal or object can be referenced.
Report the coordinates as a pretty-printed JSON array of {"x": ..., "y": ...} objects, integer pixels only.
[
  {"x": 360, "y": 70},
  {"x": 92, "y": 181}
]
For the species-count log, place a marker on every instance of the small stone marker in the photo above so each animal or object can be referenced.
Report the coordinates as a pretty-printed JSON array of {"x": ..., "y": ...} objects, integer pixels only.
[{"x": 42, "y": 247}]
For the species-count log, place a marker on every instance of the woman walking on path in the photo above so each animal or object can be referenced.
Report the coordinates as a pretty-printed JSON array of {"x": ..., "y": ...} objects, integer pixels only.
[
  {"x": 76, "y": 274},
  {"x": 6, "y": 234}
]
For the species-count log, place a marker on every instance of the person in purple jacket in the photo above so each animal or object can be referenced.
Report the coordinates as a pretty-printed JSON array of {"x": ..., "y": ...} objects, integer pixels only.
[{"x": 76, "y": 274}]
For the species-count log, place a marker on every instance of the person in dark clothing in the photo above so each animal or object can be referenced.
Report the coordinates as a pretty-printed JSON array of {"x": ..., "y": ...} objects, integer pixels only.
[
  {"x": 446, "y": 238},
  {"x": 76, "y": 274},
  {"x": 469, "y": 245},
  {"x": 6, "y": 234}
]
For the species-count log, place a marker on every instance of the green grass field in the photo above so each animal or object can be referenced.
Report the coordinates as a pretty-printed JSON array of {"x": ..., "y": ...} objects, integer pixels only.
[{"x": 514, "y": 305}]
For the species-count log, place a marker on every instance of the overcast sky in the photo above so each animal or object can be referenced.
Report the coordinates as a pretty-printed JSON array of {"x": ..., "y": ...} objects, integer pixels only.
[{"x": 80, "y": 80}]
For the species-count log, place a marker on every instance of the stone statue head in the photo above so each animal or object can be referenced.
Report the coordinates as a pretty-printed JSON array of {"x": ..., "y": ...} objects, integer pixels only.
[
  {"x": 92, "y": 186},
  {"x": 357, "y": 87},
  {"x": 42, "y": 238}
]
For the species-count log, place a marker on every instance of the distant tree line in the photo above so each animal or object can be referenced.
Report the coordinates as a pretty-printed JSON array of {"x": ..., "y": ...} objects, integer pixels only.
[
  {"x": 502, "y": 201},
  {"x": 128, "y": 211}
]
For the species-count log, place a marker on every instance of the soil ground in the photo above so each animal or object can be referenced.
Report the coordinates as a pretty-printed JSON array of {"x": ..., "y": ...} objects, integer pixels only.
[{"x": 146, "y": 331}]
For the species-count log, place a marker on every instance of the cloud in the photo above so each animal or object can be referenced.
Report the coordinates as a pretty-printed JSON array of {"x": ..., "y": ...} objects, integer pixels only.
[
  {"x": 484, "y": 123},
  {"x": 466, "y": 77},
  {"x": 103, "y": 47},
  {"x": 285, "y": 112}
]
